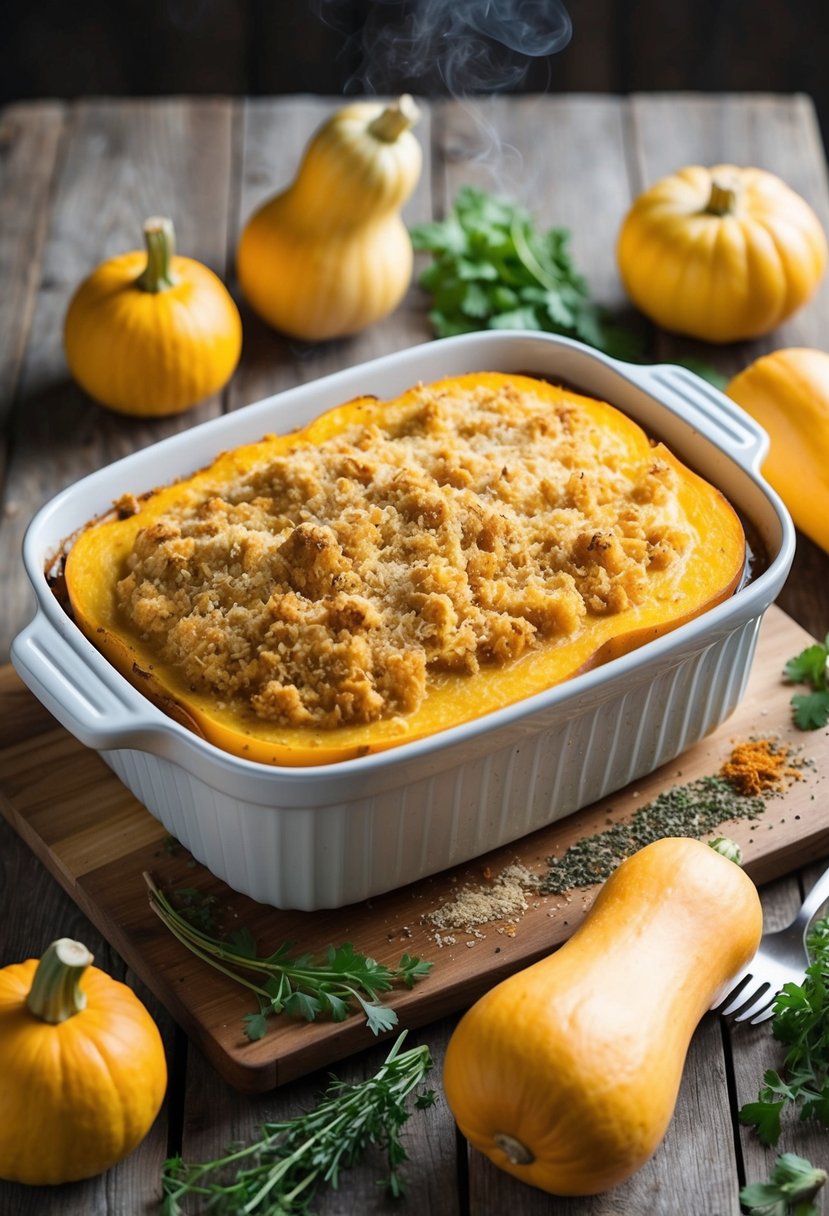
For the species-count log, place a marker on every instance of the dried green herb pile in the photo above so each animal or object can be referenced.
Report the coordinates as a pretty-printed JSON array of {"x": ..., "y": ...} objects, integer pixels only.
[
  {"x": 755, "y": 768},
  {"x": 694, "y": 809}
]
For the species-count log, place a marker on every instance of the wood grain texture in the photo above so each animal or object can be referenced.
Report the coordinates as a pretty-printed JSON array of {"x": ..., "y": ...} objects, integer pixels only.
[
  {"x": 97, "y": 840},
  {"x": 30, "y": 139}
]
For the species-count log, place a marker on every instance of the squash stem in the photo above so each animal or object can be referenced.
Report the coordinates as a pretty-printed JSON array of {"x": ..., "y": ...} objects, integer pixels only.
[
  {"x": 723, "y": 199},
  {"x": 160, "y": 239},
  {"x": 514, "y": 1151},
  {"x": 55, "y": 994},
  {"x": 397, "y": 117}
]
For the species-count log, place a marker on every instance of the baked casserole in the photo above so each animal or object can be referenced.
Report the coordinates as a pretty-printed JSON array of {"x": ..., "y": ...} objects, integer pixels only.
[{"x": 398, "y": 567}]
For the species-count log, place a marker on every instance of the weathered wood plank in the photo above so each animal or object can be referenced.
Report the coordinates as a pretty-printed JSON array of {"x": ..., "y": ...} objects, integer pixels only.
[
  {"x": 30, "y": 138},
  {"x": 123, "y": 161}
]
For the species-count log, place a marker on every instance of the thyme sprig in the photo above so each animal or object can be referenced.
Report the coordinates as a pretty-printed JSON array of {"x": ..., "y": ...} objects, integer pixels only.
[
  {"x": 280, "y": 1171},
  {"x": 297, "y": 985}
]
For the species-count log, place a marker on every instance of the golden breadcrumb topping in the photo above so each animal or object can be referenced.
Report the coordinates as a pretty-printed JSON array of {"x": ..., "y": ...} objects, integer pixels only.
[{"x": 327, "y": 584}]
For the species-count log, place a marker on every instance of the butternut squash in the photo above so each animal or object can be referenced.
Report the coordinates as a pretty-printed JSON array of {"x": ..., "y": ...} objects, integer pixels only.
[
  {"x": 787, "y": 392},
  {"x": 330, "y": 255},
  {"x": 566, "y": 1074},
  {"x": 707, "y": 571}
]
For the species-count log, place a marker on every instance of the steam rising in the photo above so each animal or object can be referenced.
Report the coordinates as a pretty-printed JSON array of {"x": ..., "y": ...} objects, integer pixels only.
[{"x": 468, "y": 46}]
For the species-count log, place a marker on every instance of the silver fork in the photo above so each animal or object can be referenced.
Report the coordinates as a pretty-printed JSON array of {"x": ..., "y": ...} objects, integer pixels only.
[{"x": 781, "y": 958}]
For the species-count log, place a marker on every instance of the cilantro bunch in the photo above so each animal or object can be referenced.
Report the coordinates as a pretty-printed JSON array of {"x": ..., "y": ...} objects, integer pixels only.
[
  {"x": 493, "y": 270},
  {"x": 811, "y": 667},
  {"x": 801, "y": 1024}
]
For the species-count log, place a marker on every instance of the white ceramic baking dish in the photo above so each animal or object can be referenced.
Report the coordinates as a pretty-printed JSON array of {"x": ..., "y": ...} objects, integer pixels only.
[{"x": 324, "y": 837}]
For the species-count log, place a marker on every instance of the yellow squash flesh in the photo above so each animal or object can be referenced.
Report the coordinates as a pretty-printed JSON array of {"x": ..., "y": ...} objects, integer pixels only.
[
  {"x": 721, "y": 254},
  {"x": 787, "y": 392},
  {"x": 566, "y": 1074},
  {"x": 710, "y": 572}
]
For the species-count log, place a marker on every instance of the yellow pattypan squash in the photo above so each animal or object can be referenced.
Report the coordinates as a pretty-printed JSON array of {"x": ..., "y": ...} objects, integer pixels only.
[{"x": 721, "y": 254}]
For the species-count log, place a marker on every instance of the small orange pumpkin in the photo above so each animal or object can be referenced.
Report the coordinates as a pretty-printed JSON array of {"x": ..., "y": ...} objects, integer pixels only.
[
  {"x": 150, "y": 333},
  {"x": 720, "y": 254},
  {"x": 83, "y": 1068}
]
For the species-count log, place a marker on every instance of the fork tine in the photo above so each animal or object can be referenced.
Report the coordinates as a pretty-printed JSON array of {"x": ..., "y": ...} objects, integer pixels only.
[
  {"x": 765, "y": 1015},
  {"x": 764, "y": 1001},
  {"x": 737, "y": 996}
]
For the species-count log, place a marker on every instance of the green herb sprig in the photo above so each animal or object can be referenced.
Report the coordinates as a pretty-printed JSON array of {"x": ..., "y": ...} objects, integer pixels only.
[
  {"x": 811, "y": 666},
  {"x": 280, "y": 1171},
  {"x": 793, "y": 1184},
  {"x": 493, "y": 270},
  {"x": 801, "y": 1024},
  {"x": 299, "y": 986}
]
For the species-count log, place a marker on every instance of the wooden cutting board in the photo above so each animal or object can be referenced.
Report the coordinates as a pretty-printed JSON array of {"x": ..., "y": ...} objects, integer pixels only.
[{"x": 97, "y": 840}]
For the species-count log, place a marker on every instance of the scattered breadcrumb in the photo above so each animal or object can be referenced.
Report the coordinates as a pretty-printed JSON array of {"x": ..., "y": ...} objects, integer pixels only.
[{"x": 502, "y": 897}]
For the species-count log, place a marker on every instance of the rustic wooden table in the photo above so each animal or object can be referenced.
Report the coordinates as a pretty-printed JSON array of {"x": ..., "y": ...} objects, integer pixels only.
[{"x": 75, "y": 184}]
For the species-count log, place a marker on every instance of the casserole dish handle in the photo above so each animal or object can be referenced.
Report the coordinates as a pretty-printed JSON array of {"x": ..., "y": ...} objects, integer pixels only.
[
  {"x": 709, "y": 411},
  {"x": 74, "y": 692}
]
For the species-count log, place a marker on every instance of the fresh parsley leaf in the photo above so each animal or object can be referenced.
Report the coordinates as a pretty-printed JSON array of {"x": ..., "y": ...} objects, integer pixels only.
[
  {"x": 793, "y": 1184},
  {"x": 492, "y": 269},
  {"x": 378, "y": 1017},
  {"x": 808, "y": 667},
  {"x": 811, "y": 666},
  {"x": 299, "y": 985},
  {"x": 764, "y": 1117},
  {"x": 811, "y": 710},
  {"x": 255, "y": 1025},
  {"x": 801, "y": 1025}
]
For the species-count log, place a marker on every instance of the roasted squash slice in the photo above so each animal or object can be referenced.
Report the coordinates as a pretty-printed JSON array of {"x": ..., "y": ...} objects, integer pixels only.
[{"x": 705, "y": 569}]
